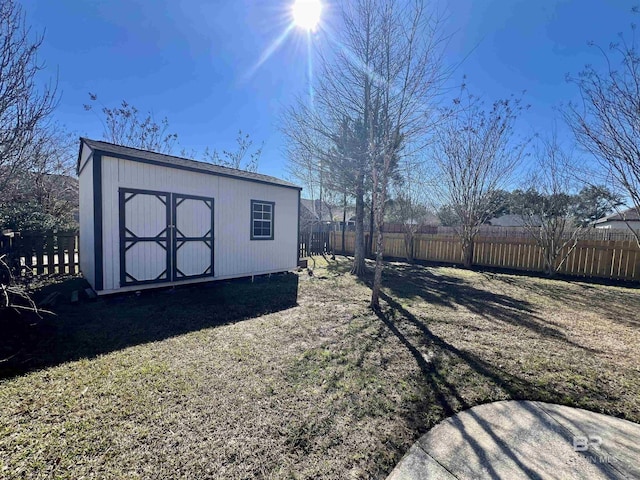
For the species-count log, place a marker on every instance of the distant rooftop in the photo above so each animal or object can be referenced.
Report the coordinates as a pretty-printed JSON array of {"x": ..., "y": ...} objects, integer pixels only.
[
  {"x": 630, "y": 214},
  {"x": 313, "y": 208},
  {"x": 513, "y": 220},
  {"x": 185, "y": 163}
]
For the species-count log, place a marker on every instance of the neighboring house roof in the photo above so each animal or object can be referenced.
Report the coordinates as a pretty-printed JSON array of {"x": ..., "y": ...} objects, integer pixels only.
[
  {"x": 312, "y": 209},
  {"x": 628, "y": 215},
  {"x": 179, "y": 162},
  {"x": 307, "y": 210},
  {"x": 512, "y": 220},
  {"x": 23, "y": 186},
  {"x": 430, "y": 219}
]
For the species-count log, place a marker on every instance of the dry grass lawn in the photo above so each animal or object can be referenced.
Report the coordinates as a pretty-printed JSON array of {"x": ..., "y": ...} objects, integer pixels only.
[{"x": 235, "y": 380}]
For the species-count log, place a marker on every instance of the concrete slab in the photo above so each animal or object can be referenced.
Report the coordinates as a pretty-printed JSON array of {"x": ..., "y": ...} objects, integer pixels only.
[
  {"x": 417, "y": 464},
  {"x": 520, "y": 439},
  {"x": 609, "y": 439}
]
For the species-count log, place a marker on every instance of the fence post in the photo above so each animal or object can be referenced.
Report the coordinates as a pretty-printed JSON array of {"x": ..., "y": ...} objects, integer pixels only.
[
  {"x": 76, "y": 254},
  {"x": 38, "y": 243},
  {"x": 50, "y": 248}
]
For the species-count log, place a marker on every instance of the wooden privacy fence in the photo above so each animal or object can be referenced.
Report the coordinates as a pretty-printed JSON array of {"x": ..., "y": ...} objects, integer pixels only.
[
  {"x": 313, "y": 243},
  {"x": 43, "y": 253},
  {"x": 612, "y": 259}
]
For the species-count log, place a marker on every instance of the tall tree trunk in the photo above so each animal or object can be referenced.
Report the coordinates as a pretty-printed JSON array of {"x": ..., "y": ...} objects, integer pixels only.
[
  {"x": 379, "y": 200},
  {"x": 550, "y": 258},
  {"x": 371, "y": 228},
  {"x": 549, "y": 267},
  {"x": 321, "y": 198},
  {"x": 358, "y": 268},
  {"x": 377, "y": 276},
  {"x": 344, "y": 220},
  {"x": 408, "y": 245},
  {"x": 467, "y": 251}
]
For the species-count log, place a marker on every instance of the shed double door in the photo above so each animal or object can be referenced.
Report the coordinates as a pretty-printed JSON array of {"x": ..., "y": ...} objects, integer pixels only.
[{"x": 164, "y": 237}]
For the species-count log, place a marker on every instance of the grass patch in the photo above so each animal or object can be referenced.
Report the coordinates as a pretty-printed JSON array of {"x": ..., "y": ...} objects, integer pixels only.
[{"x": 294, "y": 377}]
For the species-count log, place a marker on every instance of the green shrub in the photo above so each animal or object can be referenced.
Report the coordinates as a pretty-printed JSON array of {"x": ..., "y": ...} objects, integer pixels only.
[{"x": 31, "y": 217}]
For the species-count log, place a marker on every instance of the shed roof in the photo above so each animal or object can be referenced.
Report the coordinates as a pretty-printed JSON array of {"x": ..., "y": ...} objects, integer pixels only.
[{"x": 172, "y": 161}]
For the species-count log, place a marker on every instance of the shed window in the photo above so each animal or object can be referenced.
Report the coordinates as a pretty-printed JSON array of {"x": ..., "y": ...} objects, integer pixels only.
[{"x": 262, "y": 220}]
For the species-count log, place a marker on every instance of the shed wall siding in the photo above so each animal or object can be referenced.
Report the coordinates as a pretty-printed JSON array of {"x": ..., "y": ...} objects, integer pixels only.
[
  {"x": 87, "y": 252},
  {"x": 235, "y": 254},
  {"x": 240, "y": 254}
]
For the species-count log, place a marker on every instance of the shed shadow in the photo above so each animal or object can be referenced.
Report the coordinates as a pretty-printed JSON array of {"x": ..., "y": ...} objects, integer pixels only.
[{"x": 112, "y": 323}]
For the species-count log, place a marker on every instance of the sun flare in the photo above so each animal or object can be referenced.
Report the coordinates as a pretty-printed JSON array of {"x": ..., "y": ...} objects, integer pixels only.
[{"x": 306, "y": 13}]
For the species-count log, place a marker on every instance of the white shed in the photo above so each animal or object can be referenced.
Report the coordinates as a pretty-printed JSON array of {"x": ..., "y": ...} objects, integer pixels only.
[{"x": 148, "y": 219}]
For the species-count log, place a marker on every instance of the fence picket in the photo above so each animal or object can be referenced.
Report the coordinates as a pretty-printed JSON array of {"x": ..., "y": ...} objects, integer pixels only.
[
  {"x": 43, "y": 253},
  {"x": 50, "y": 250},
  {"x": 315, "y": 243}
]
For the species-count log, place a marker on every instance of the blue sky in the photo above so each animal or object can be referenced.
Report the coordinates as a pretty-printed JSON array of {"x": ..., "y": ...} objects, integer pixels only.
[{"x": 193, "y": 60}]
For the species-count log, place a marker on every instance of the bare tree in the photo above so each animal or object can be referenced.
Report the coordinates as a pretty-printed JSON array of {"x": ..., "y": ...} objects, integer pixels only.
[
  {"x": 24, "y": 106},
  {"x": 476, "y": 155},
  {"x": 549, "y": 205},
  {"x": 607, "y": 122},
  {"x": 241, "y": 158},
  {"x": 312, "y": 172},
  {"x": 409, "y": 204},
  {"x": 372, "y": 103},
  {"x": 125, "y": 125},
  {"x": 409, "y": 68},
  {"x": 335, "y": 126},
  {"x": 303, "y": 169}
]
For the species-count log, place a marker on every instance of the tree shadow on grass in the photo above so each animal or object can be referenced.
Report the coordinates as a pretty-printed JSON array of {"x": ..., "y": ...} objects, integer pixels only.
[
  {"x": 112, "y": 323},
  {"x": 451, "y": 401},
  {"x": 450, "y": 380},
  {"x": 446, "y": 393},
  {"x": 407, "y": 282},
  {"x": 620, "y": 306},
  {"x": 364, "y": 374}
]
